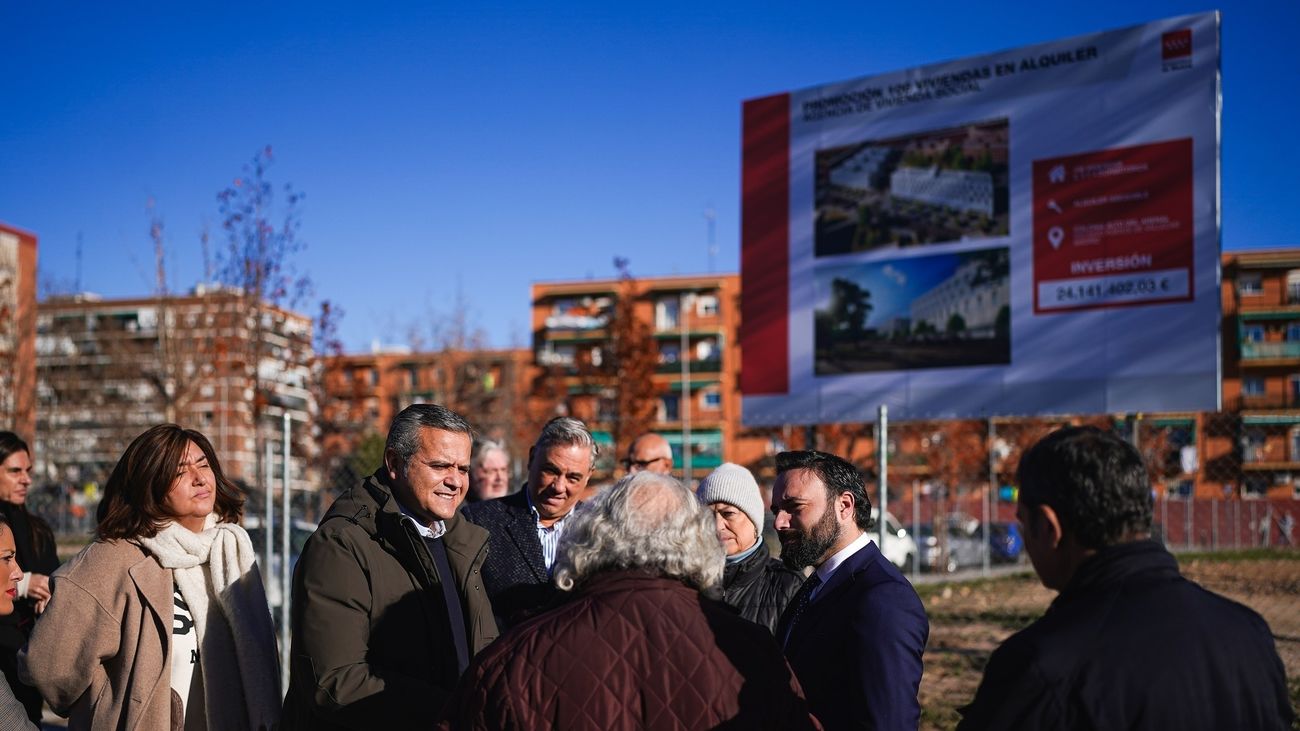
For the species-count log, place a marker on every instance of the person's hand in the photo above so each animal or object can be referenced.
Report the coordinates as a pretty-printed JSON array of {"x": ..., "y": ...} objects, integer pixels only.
[
  {"x": 39, "y": 588},
  {"x": 40, "y": 606}
]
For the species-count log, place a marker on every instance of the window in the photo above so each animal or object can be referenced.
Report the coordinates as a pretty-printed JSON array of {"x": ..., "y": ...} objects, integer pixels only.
[
  {"x": 1252, "y": 386},
  {"x": 1293, "y": 287},
  {"x": 1250, "y": 284},
  {"x": 1254, "y": 486},
  {"x": 1293, "y": 331},
  {"x": 713, "y": 400},
  {"x": 706, "y": 349},
  {"x": 706, "y": 305},
  {"x": 1252, "y": 333},
  {"x": 556, "y": 355},
  {"x": 1253, "y": 445},
  {"x": 667, "y": 310},
  {"x": 668, "y": 408},
  {"x": 669, "y": 352}
]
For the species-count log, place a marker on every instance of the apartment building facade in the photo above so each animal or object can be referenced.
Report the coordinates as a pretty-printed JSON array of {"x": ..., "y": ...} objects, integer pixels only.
[
  {"x": 1261, "y": 378},
  {"x": 690, "y": 324},
  {"x": 17, "y": 331},
  {"x": 364, "y": 391},
  {"x": 108, "y": 369}
]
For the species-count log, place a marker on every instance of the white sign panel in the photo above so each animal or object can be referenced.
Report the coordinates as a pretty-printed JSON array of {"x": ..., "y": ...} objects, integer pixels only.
[{"x": 1028, "y": 232}]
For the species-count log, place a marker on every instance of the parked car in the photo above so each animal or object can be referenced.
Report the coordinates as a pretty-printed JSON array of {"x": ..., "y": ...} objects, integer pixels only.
[
  {"x": 963, "y": 550},
  {"x": 900, "y": 547}
]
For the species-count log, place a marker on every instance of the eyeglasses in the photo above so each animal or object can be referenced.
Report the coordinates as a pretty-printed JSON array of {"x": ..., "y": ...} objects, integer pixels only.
[{"x": 640, "y": 463}]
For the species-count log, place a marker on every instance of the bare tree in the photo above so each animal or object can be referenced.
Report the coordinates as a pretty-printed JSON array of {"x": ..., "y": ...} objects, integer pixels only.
[
  {"x": 471, "y": 378},
  {"x": 630, "y": 371},
  {"x": 334, "y": 430},
  {"x": 261, "y": 223},
  {"x": 187, "y": 335}
]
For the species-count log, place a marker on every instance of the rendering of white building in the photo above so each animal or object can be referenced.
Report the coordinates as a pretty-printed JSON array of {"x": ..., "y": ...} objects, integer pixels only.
[
  {"x": 978, "y": 305},
  {"x": 860, "y": 168},
  {"x": 963, "y": 190}
]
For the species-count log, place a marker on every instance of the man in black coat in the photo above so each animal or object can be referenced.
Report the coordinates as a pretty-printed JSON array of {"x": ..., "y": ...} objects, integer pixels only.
[
  {"x": 1129, "y": 643},
  {"x": 526, "y": 526},
  {"x": 855, "y": 632}
]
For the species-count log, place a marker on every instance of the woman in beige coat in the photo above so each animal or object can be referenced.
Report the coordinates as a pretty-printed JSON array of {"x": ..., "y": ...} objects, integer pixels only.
[{"x": 162, "y": 622}]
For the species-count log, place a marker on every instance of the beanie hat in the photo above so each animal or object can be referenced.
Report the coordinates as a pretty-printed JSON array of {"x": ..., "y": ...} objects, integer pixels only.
[{"x": 734, "y": 485}]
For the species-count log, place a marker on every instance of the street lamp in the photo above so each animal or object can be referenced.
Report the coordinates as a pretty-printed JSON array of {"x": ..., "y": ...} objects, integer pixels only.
[{"x": 686, "y": 299}]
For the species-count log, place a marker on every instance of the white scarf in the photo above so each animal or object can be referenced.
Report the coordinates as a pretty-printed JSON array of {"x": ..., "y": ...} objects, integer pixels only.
[{"x": 226, "y": 552}]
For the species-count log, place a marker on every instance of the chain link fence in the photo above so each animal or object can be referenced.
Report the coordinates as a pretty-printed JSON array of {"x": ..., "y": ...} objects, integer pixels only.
[{"x": 1219, "y": 480}]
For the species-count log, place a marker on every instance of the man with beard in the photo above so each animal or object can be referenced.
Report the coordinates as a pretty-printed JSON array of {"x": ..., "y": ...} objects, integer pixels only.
[
  {"x": 855, "y": 632},
  {"x": 526, "y": 527}
]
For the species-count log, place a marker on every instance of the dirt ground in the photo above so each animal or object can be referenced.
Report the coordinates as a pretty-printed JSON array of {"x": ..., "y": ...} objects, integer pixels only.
[{"x": 968, "y": 620}]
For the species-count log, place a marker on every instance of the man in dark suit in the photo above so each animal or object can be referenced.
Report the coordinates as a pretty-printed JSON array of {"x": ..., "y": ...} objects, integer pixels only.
[
  {"x": 1129, "y": 643},
  {"x": 855, "y": 632},
  {"x": 526, "y": 527}
]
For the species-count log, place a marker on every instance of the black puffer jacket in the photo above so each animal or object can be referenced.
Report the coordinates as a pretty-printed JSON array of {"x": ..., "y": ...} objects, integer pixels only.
[{"x": 760, "y": 586}]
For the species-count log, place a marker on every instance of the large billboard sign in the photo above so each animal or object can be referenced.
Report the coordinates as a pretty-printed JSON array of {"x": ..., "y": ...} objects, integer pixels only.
[{"x": 1034, "y": 231}]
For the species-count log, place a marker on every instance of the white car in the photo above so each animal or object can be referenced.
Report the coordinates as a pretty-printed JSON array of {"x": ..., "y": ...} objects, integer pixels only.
[{"x": 900, "y": 547}]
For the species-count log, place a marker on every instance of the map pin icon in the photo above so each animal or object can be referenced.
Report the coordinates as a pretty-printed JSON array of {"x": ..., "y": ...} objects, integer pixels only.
[{"x": 1055, "y": 235}]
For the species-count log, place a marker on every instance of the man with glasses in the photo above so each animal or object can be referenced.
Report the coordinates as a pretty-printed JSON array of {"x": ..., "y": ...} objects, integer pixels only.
[{"x": 649, "y": 452}]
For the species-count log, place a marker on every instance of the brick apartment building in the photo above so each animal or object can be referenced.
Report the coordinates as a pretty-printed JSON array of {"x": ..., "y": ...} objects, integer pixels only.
[
  {"x": 17, "y": 331},
  {"x": 363, "y": 392},
  {"x": 692, "y": 322},
  {"x": 1261, "y": 379},
  {"x": 107, "y": 369}
]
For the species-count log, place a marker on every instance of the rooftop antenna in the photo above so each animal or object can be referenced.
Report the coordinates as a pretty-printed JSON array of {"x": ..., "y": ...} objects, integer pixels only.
[
  {"x": 710, "y": 220},
  {"x": 76, "y": 287}
]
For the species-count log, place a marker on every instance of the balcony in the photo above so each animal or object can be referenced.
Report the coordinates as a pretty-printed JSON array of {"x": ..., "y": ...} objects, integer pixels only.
[
  {"x": 712, "y": 365},
  {"x": 571, "y": 321},
  {"x": 1270, "y": 351},
  {"x": 1264, "y": 402}
]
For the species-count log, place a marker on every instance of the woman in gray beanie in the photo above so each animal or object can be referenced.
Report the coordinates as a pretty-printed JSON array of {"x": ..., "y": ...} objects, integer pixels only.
[{"x": 754, "y": 583}]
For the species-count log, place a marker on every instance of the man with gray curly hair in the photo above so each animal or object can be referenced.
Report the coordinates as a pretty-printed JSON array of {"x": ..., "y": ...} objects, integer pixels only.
[{"x": 639, "y": 643}]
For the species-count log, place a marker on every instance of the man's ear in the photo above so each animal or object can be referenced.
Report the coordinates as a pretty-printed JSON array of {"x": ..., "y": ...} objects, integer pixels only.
[
  {"x": 531, "y": 451},
  {"x": 1047, "y": 520},
  {"x": 845, "y": 505},
  {"x": 392, "y": 464}
]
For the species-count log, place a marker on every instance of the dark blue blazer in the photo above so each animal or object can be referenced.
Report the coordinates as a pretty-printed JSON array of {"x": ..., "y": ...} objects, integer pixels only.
[
  {"x": 514, "y": 573},
  {"x": 857, "y": 648}
]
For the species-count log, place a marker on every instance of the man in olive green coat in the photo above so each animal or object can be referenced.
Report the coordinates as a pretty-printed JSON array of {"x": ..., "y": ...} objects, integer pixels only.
[{"x": 380, "y": 633}]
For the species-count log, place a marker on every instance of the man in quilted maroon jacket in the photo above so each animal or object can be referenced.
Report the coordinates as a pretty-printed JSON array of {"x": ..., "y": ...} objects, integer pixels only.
[{"x": 639, "y": 643}]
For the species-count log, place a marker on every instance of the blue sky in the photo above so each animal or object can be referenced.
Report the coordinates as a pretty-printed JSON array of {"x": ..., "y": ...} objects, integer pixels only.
[{"x": 448, "y": 149}]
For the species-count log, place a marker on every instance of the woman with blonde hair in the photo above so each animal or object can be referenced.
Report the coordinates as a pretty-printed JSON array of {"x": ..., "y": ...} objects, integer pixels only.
[
  {"x": 161, "y": 622},
  {"x": 755, "y": 583}
]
